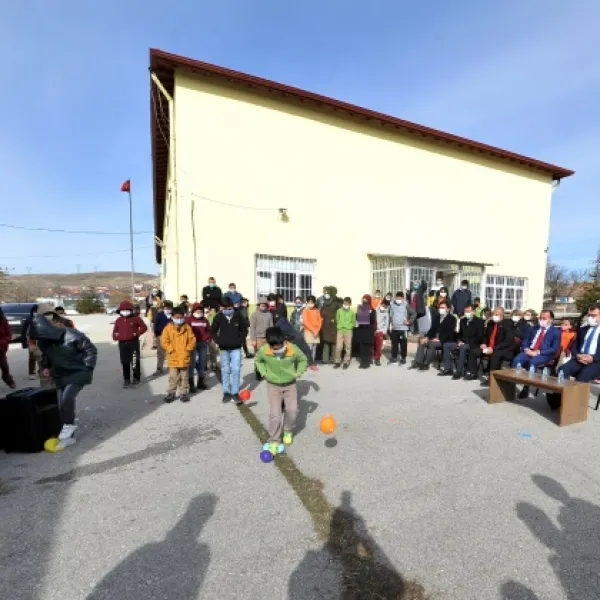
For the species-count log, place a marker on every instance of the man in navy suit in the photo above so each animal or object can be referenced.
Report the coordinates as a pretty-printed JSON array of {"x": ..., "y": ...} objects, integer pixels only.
[
  {"x": 541, "y": 343},
  {"x": 585, "y": 355}
]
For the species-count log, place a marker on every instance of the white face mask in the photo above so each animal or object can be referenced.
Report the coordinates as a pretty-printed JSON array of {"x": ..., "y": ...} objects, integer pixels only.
[
  {"x": 326, "y": 296},
  {"x": 468, "y": 316},
  {"x": 443, "y": 294},
  {"x": 198, "y": 315},
  {"x": 592, "y": 321},
  {"x": 168, "y": 312},
  {"x": 527, "y": 317},
  {"x": 311, "y": 305},
  {"x": 464, "y": 287},
  {"x": 50, "y": 317},
  {"x": 346, "y": 307},
  {"x": 440, "y": 282},
  {"x": 544, "y": 323},
  {"x": 496, "y": 318},
  {"x": 125, "y": 313},
  {"x": 232, "y": 290},
  {"x": 398, "y": 300},
  {"x": 516, "y": 319},
  {"x": 443, "y": 312}
]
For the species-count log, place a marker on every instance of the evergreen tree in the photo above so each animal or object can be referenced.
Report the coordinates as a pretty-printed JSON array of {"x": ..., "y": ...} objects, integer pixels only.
[{"x": 89, "y": 303}]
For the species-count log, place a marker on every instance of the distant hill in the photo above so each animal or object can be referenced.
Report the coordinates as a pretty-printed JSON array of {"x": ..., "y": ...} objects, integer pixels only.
[{"x": 112, "y": 279}]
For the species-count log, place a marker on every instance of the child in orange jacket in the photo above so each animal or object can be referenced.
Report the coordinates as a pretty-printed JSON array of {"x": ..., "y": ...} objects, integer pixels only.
[
  {"x": 179, "y": 342},
  {"x": 313, "y": 321}
]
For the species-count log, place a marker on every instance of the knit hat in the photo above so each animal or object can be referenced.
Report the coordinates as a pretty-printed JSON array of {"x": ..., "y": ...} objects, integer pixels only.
[
  {"x": 45, "y": 307},
  {"x": 196, "y": 306},
  {"x": 125, "y": 305},
  {"x": 262, "y": 300}
]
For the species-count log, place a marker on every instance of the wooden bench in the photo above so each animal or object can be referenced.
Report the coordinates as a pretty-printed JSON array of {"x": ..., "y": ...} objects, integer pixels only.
[{"x": 574, "y": 395}]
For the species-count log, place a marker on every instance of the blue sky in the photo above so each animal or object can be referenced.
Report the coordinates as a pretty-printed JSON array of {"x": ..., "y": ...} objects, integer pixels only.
[{"x": 524, "y": 76}]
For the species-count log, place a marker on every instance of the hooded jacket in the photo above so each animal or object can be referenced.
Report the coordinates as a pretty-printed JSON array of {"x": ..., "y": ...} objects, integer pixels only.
[
  {"x": 178, "y": 342},
  {"x": 5, "y": 333},
  {"x": 200, "y": 327},
  {"x": 68, "y": 353},
  {"x": 281, "y": 369},
  {"x": 229, "y": 332},
  {"x": 128, "y": 329},
  {"x": 328, "y": 312}
]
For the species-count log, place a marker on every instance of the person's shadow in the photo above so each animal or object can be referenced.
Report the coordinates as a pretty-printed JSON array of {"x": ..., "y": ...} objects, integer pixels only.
[
  {"x": 364, "y": 571},
  {"x": 305, "y": 407},
  {"x": 172, "y": 569},
  {"x": 575, "y": 543}
]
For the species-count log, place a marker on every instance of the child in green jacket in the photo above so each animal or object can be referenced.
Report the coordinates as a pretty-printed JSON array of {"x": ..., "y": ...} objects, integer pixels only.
[
  {"x": 345, "y": 321},
  {"x": 281, "y": 363}
]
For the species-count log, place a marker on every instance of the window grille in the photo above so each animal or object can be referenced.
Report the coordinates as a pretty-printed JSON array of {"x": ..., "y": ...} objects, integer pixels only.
[
  {"x": 284, "y": 275},
  {"x": 507, "y": 292}
]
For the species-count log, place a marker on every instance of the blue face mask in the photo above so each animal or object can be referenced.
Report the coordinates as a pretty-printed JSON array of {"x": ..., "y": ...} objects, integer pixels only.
[
  {"x": 263, "y": 309},
  {"x": 227, "y": 312},
  {"x": 211, "y": 285},
  {"x": 299, "y": 305},
  {"x": 179, "y": 321}
]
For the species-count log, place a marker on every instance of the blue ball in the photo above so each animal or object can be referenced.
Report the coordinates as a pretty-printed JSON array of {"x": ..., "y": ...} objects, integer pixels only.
[
  {"x": 281, "y": 449},
  {"x": 266, "y": 456}
]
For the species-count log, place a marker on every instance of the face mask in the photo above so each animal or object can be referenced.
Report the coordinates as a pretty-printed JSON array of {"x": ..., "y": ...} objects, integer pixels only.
[
  {"x": 565, "y": 327},
  {"x": 198, "y": 315},
  {"x": 440, "y": 282},
  {"x": 326, "y": 296},
  {"x": 377, "y": 295},
  {"x": 227, "y": 312},
  {"x": 232, "y": 290},
  {"x": 443, "y": 294},
  {"x": 211, "y": 285},
  {"x": 263, "y": 309},
  {"x": 365, "y": 301},
  {"x": 592, "y": 321},
  {"x": 50, "y": 317},
  {"x": 496, "y": 318},
  {"x": 544, "y": 323},
  {"x": 272, "y": 303},
  {"x": 310, "y": 305},
  {"x": 168, "y": 312},
  {"x": 179, "y": 321},
  {"x": 398, "y": 301},
  {"x": 463, "y": 287},
  {"x": 443, "y": 312},
  {"x": 527, "y": 317},
  {"x": 125, "y": 313},
  {"x": 279, "y": 351},
  {"x": 346, "y": 306},
  {"x": 516, "y": 319},
  {"x": 154, "y": 292},
  {"x": 468, "y": 316},
  {"x": 299, "y": 305}
]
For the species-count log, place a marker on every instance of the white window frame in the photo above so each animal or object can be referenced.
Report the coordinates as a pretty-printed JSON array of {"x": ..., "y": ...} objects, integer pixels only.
[
  {"x": 388, "y": 274},
  {"x": 269, "y": 268},
  {"x": 508, "y": 291}
]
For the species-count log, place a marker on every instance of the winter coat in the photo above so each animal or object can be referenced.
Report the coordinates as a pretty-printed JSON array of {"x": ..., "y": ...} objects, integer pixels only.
[
  {"x": 178, "y": 342},
  {"x": 420, "y": 299},
  {"x": 297, "y": 319},
  {"x": 313, "y": 320},
  {"x": 5, "y": 334},
  {"x": 259, "y": 323},
  {"x": 471, "y": 332},
  {"x": 235, "y": 297},
  {"x": 365, "y": 334},
  {"x": 161, "y": 321},
  {"x": 212, "y": 296},
  {"x": 200, "y": 328},
  {"x": 345, "y": 319},
  {"x": 229, "y": 332},
  {"x": 280, "y": 311},
  {"x": 283, "y": 369},
  {"x": 67, "y": 353},
  {"x": 328, "y": 312},
  {"x": 127, "y": 329},
  {"x": 460, "y": 299},
  {"x": 400, "y": 313},
  {"x": 443, "y": 329}
]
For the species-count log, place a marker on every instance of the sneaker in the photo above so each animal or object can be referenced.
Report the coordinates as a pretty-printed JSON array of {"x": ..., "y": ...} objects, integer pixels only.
[
  {"x": 345, "y": 367},
  {"x": 226, "y": 398},
  {"x": 126, "y": 384},
  {"x": 66, "y": 432},
  {"x": 236, "y": 398},
  {"x": 33, "y": 376},
  {"x": 185, "y": 397},
  {"x": 445, "y": 373},
  {"x": 402, "y": 361},
  {"x": 12, "y": 385},
  {"x": 313, "y": 368},
  {"x": 414, "y": 365},
  {"x": 392, "y": 361},
  {"x": 201, "y": 385},
  {"x": 136, "y": 383},
  {"x": 377, "y": 363},
  {"x": 456, "y": 376},
  {"x": 66, "y": 443},
  {"x": 524, "y": 393},
  {"x": 337, "y": 366},
  {"x": 288, "y": 438},
  {"x": 170, "y": 397}
]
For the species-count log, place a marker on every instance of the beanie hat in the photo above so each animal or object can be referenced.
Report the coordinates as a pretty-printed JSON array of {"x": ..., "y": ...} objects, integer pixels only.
[
  {"x": 262, "y": 300},
  {"x": 45, "y": 307},
  {"x": 125, "y": 305},
  {"x": 196, "y": 306}
]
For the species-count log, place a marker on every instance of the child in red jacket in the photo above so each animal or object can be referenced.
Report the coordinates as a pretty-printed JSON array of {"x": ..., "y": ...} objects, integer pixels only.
[
  {"x": 5, "y": 339},
  {"x": 201, "y": 328},
  {"x": 128, "y": 329}
]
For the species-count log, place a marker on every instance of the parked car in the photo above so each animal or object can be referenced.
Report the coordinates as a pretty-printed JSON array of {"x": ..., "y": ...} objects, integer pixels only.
[{"x": 15, "y": 314}]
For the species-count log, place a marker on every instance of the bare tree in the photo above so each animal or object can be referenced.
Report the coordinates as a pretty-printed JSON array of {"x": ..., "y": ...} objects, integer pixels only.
[{"x": 556, "y": 277}]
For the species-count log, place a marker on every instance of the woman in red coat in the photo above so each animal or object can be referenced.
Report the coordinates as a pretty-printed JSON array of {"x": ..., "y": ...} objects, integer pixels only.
[{"x": 5, "y": 339}]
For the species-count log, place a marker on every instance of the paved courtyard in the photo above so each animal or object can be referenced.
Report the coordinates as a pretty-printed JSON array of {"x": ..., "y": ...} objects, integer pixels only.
[{"x": 426, "y": 491}]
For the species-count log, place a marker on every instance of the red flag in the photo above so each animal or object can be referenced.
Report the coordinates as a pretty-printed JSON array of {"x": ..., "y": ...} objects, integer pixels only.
[{"x": 126, "y": 187}]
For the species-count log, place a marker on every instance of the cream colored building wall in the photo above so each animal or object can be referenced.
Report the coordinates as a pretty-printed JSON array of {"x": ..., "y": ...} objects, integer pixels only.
[{"x": 349, "y": 189}]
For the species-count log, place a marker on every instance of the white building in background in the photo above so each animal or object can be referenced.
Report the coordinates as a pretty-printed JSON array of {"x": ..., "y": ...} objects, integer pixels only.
[{"x": 282, "y": 190}]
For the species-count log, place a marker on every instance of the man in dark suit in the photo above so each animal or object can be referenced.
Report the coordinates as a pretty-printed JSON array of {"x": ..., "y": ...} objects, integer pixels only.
[
  {"x": 211, "y": 294},
  {"x": 585, "y": 354},
  {"x": 470, "y": 337},
  {"x": 541, "y": 343},
  {"x": 498, "y": 345},
  {"x": 442, "y": 330}
]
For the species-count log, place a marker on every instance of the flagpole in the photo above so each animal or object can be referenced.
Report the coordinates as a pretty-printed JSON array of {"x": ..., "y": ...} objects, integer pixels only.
[{"x": 131, "y": 243}]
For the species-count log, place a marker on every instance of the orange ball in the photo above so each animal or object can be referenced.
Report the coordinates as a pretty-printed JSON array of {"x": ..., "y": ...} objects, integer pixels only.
[
  {"x": 245, "y": 395},
  {"x": 328, "y": 424}
]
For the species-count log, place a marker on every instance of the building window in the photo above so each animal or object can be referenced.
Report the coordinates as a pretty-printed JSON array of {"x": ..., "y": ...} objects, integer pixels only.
[
  {"x": 474, "y": 275},
  {"x": 387, "y": 274},
  {"x": 284, "y": 275},
  {"x": 507, "y": 292}
]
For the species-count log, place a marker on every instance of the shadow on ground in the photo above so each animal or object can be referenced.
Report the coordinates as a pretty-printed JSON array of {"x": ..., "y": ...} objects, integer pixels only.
[
  {"x": 102, "y": 417},
  {"x": 364, "y": 571},
  {"x": 173, "y": 568},
  {"x": 575, "y": 543}
]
